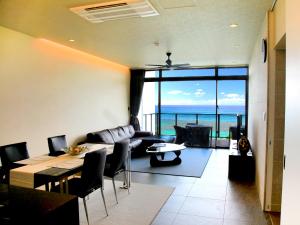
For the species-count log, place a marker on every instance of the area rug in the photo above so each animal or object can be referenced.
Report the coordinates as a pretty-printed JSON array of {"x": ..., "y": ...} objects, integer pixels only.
[
  {"x": 140, "y": 207},
  {"x": 193, "y": 163}
]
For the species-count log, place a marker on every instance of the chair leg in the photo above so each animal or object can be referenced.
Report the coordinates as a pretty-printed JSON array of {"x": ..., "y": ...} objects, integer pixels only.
[
  {"x": 126, "y": 180},
  {"x": 86, "y": 212},
  {"x": 104, "y": 201},
  {"x": 113, "y": 181}
]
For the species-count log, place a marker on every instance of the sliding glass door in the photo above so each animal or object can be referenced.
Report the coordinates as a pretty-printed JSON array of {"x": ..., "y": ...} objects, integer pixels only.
[
  {"x": 206, "y": 97},
  {"x": 231, "y": 102},
  {"x": 187, "y": 102}
]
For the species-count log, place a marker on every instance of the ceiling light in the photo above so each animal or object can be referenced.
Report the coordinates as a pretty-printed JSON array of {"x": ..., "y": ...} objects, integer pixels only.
[
  {"x": 71, "y": 40},
  {"x": 233, "y": 25}
]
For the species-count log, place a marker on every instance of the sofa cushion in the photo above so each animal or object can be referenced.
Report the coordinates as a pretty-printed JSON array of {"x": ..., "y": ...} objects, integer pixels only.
[
  {"x": 103, "y": 136},
  {"x": 129, "y": 131},
  {"x": 134, "y": 142},
  {"x": 118, "y": 134}
]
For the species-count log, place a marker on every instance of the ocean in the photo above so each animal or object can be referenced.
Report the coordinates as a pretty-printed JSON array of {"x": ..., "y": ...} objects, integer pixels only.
[{"x": 205, "y": 114}]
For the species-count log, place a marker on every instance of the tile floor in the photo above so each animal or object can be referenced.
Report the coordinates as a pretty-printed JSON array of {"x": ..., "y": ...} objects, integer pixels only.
[{"x": 209, "y": 200}]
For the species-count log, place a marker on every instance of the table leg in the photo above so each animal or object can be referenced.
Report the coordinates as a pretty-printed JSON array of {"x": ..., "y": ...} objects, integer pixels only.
[
  {"x": 67, "y": 185},
  {"x": 61, "y": 186}
]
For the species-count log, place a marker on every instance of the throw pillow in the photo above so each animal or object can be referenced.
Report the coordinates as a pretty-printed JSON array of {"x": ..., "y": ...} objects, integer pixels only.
[{"x": 181, "y": 134}]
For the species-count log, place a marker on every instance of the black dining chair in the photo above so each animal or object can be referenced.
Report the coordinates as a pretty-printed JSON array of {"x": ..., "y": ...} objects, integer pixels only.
[
  {"x": 116, "y": 163},
  {"x": 91, "y": 178},
  {"x": 56, "y": 145},
  {"x": 9, "y": 155}
]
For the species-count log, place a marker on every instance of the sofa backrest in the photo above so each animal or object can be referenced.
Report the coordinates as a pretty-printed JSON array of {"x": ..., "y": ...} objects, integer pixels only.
[
  {"x": 128, "y": 130},
  {"x": 113, "y": 135},
  {"x": 100, "y": 136}
]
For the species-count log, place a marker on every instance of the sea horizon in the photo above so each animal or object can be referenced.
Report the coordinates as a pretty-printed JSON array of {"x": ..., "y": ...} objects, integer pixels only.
[{"x": 206, "y": 116}]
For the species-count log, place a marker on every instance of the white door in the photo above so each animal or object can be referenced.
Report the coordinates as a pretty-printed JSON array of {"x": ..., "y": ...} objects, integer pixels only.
[{"x": 291, "y": 176}]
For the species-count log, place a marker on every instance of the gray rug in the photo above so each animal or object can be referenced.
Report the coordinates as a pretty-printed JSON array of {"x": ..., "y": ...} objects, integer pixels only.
[
  {"x": 193, "y": 163},
  {"x": 140, "y": 207}
]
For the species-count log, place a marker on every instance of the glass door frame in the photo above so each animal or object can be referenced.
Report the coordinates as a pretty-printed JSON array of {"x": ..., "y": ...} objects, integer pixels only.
[{"x": 215, "y": 78}]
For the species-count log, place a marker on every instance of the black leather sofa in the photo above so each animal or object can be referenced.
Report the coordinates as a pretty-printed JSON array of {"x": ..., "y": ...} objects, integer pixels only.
[{"x": 139, "y": 140}]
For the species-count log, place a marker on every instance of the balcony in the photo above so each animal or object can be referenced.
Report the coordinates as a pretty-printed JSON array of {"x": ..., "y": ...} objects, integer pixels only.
[{"x": 220, "y": 123}]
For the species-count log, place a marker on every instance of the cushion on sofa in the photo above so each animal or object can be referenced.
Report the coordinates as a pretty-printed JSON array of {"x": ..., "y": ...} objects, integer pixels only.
[
  {"x": 129, "y": 130},
  {"x": 118, "y": 134},
  {"x": 103, "y": 136},
  {"x": 134, "y": 142}
]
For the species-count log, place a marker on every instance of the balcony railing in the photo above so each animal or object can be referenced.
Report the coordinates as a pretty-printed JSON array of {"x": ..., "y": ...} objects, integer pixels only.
[{"x": 220, "y": 123}]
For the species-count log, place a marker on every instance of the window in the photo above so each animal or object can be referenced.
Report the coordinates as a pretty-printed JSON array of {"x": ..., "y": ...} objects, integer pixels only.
[{"x": 205, "y": 96}]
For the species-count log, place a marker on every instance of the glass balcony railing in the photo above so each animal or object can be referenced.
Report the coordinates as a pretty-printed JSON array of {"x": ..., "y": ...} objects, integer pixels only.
[{"x": 220, "y": 123}]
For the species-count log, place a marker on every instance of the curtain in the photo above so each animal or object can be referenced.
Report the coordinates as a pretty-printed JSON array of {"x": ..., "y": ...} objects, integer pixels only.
[{"x": 136, "y": 91}]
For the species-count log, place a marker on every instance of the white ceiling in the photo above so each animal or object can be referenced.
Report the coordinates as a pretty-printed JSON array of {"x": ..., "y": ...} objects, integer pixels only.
[{"x": 195, "y": 31}]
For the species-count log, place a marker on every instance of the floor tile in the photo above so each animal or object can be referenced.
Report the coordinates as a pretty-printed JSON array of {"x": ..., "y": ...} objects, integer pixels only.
[
  {"x": 164, "y": 218},
  {"x": 237, "y": 211},
  {"x": 182, "y": 189},
  {"x": 237, "y": 222},
  {"x": 208, "y": 191},
  {"x": 181, "y": 219},
  {"x": 203, "y": 207},
  {"x": 211, "y": 199},
  {"x": 174, "y": 204}
]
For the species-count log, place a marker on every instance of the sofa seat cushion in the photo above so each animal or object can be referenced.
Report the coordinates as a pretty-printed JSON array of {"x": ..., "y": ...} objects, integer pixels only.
[{"x": 134, "y": 142}]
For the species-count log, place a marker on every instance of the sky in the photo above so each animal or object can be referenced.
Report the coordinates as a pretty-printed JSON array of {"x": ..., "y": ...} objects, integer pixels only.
[{"x": 202, "y": 92}]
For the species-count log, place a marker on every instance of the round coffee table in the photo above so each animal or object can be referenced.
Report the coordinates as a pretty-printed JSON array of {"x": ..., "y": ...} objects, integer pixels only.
[{"x": 161, "y": 149}]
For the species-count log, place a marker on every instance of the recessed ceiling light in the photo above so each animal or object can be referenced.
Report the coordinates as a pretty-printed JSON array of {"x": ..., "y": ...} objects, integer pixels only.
[
  {"x": 233, "y": 25},
  {"x": 71, "y": 40}
]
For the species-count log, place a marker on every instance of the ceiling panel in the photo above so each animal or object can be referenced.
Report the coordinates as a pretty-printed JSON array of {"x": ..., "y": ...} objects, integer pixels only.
[{"x": 199, "y": 35}]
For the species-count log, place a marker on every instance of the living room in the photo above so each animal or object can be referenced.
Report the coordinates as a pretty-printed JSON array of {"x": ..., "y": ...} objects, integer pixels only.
[{"x": 61, "y": 74}]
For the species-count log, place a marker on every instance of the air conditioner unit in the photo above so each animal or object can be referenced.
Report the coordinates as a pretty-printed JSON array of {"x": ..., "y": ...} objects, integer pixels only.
[{"x": 113, "y": 10}]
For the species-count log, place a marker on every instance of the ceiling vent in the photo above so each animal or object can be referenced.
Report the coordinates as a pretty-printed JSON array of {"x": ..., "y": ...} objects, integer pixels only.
[{"x": 97, "y": 13}]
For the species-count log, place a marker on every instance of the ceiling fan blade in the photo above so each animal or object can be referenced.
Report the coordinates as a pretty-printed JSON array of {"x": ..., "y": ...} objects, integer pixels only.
[
  {"x": 154, "y": 65},
  {"x": 181, "y": 65}
]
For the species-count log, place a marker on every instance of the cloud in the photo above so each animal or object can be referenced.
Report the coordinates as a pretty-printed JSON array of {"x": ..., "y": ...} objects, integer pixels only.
[
  {"x": 175, "y": 92},
  {"x": 188, "y": 102},
  {"x": 222, "y": 93},
  {"x": 232, "y": 95},
  {"x": 199, "y": 92},
  {"x": 232, "y": 99}
]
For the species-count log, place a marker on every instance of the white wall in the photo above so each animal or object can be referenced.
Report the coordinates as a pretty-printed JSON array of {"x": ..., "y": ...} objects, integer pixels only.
[
  {"x": 47, "y": 89},
  {"x": 291, "y": 182},
  {"x": 258, "y": 91}
]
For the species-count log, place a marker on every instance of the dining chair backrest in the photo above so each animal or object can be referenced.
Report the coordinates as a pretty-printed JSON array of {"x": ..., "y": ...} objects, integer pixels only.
[
  {"x": 56, "y": 144},
  {"x": 119, "y": 156},
  {"x": 92, "y": 171},
  {"x": 12, "y": 153}
]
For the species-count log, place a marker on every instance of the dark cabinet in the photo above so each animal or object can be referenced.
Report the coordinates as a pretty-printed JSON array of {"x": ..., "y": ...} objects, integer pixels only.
[{"x": 241, "y": 167}]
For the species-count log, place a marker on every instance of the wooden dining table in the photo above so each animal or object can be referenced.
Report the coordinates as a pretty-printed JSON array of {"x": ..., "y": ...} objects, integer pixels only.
[{"x": 44, "y": 169}]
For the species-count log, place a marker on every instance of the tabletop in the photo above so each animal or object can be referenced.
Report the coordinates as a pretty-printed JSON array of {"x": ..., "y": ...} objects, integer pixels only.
[{"x": 37, "y": 170}]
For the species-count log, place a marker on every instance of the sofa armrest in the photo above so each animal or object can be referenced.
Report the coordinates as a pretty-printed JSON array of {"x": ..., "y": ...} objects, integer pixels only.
[{"x": 143, "y": 134}]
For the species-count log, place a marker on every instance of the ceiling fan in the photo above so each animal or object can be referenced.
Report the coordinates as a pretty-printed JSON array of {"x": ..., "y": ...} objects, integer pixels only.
[{"x": 169, "y": 64}]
